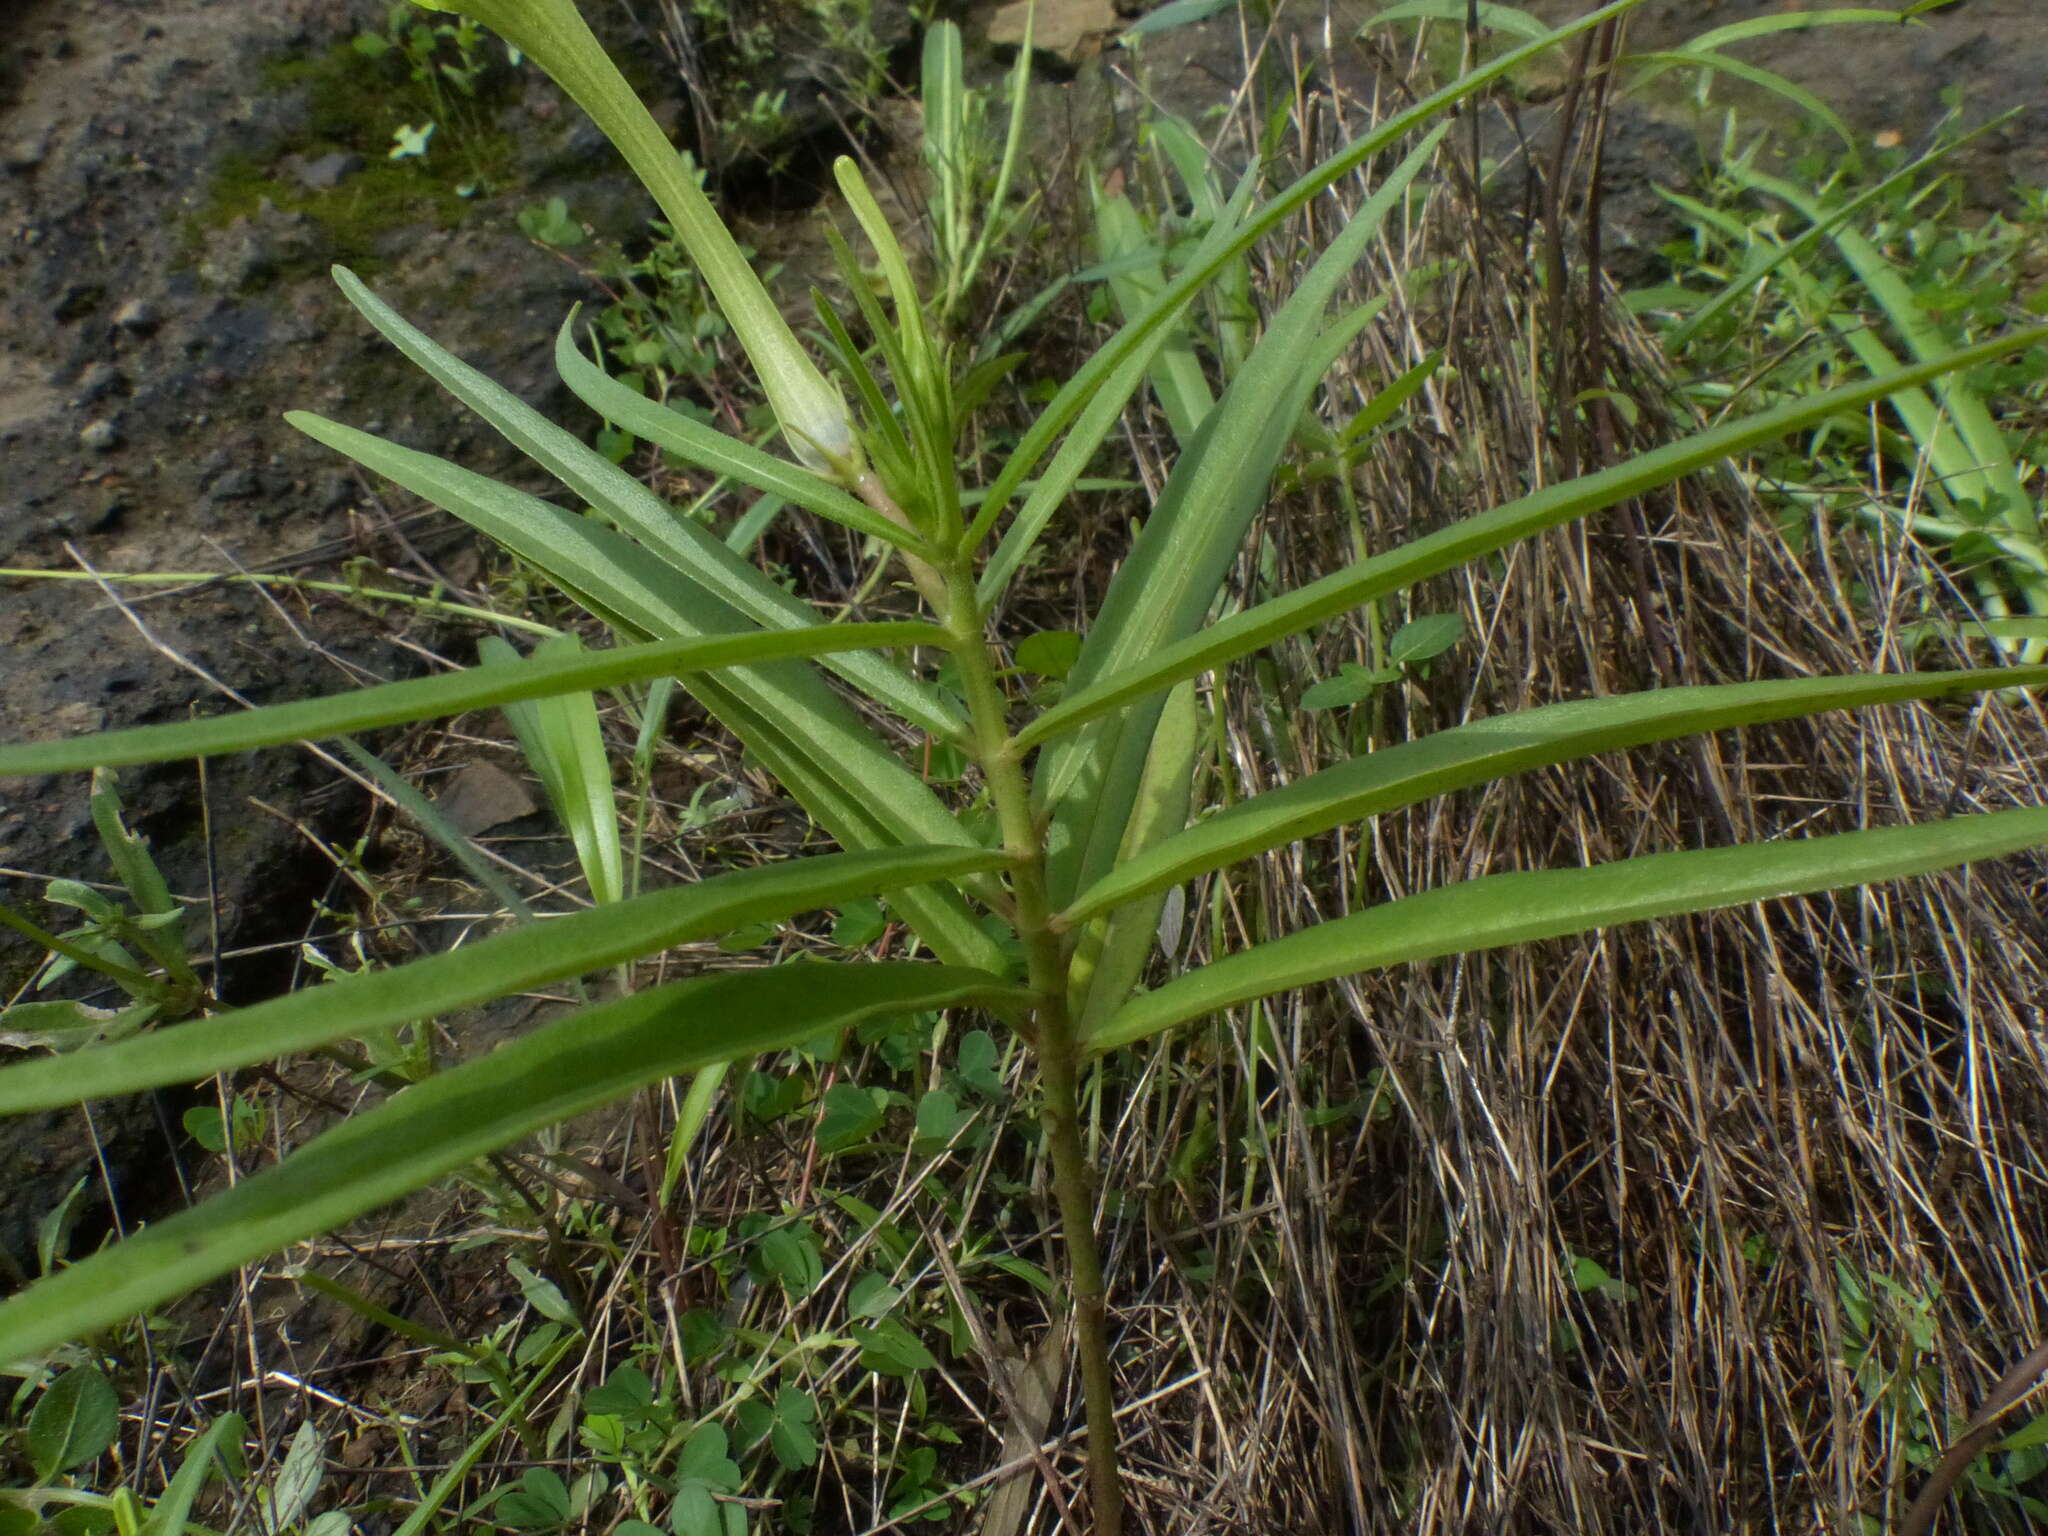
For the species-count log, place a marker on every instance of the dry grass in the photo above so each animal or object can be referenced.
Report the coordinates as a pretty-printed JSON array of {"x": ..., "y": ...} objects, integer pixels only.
[{"x": 1745, "y": 1120}]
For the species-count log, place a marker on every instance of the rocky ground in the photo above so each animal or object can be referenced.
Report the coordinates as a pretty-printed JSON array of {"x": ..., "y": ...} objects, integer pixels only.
[
  {"x": 152, "y": 336},
  {"x": 173, "y": 183}
]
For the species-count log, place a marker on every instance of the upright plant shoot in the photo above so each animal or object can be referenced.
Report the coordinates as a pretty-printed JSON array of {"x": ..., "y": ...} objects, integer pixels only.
[{"x": 1087, "y": 830}]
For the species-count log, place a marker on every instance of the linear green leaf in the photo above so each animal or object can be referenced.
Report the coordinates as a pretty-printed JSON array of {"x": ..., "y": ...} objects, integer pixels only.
[
  {"x": 1168, "y": 584},
  {"x": 1499, "y": 18},
  {"x": 1750, "y": 277},
  {"x": 1972, "y": 627},
  {"x": 1498, "y": 910},
  {"x": 1751, "y": 74},
  {"x": 1497, "y": 748},
  {"x": 564, "y": 743},
  {"x": 689, "y": 548},
  {"x": 557, "y": 1072},
  {"x": 1178, "y": 383},
  {"x": 865, "y": 802},
  {"x": 427, "y": 698},
  {"x": 712, "y": 449},
  {"x": 1110, "y": 955},
  {"x": 1142, "y": 333},
  {"x": 804, "y": 732},
  {"x": 530, "y": 956},
  {"x": 1991, "y": 471},
  {"x": 1472, "y": 537},
  {"x": 1790, "y": 21}
]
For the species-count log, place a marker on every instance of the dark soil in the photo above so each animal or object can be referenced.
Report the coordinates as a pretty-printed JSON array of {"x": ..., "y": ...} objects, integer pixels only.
[{"x": 149, "y": 346}]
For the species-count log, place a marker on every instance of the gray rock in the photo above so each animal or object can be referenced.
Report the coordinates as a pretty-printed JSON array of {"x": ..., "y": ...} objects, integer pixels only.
[
  {"x": 99, "y": 436},
  {"x": 235, "y": 485},
  {"x": 481, "y": 796},
  {"x": 136, "y": 315},
  {"x": 99, "y": 381},
  {"x": 324, "y": 173}
]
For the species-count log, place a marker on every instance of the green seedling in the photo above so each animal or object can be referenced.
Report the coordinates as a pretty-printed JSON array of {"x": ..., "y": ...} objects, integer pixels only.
[{"x": 1862, "y": 276}]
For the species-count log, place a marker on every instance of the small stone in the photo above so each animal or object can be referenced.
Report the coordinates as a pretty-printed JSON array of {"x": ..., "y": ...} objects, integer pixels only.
[
  {"x": 99, "y": 436},
  {"x": 136, "y": 315},
  {"x": 325, "y": 173},
  {"x": 481, "y": 796},
  {"x": 235, "y": 485},
  {"x": 24, "y": 155},
  {"x": 100, "y": 381}
]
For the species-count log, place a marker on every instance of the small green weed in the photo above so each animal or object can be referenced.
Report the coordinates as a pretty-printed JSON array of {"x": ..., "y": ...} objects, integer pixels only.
[
  {"x": 445, "y": 64},
  {"x": 1892, "y": 1340},
  {"x": 1787, "y": 283}
]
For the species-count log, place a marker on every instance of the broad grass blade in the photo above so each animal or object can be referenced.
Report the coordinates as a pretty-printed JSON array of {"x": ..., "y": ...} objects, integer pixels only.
[
  {"x": 1499, "y": 748},
  {"x": 557, "y": 1072},
  {"x": 1480, "y": 535},
  {"x": 1169, "y": 583},
  {"x": 805, "y": 734},
  {"x": 1499, "y": 910},
  {"x": 551, "y": 950},
  {"x": 643, "y": 516}
]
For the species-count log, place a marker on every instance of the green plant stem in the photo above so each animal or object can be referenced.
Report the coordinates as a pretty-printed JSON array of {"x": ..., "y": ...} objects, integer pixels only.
[
  {"x": 1053, "y": 1035},
  {"x": 131, "y": 981}
]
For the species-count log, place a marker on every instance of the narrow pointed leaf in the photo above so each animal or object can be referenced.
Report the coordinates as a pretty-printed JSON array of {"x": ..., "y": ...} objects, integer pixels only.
[
  {"x": 564, "y": 741},
  {"x": 712, "y": 449},
  {"x": 428, "y": 698},
  {"x": 1762, "y": 79},
  {"x": 1473, "y": 537},
  {"x": 1234, "y": 238},
  {"x": 806, "y": 735},
  {"x": 1492, "y": 16},
  {"x": 1747, "y": 281},
  {"x": 1498, "y": 748},
  {"x": 551, "y": 1075},
  {"x": 1498, "y": 910},
  {"x": 538, "y": 953},
  {"x": 1791, "y": 21},
  {"x": 691, "y": 549},
  {"x": 866, "y": 802},
  {"x": 1110, "y": 959},
  {"x": 1170, "y": 581},
  {"x": 1178, "y": 383},
  {"x": 1985, "y": 450}
]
